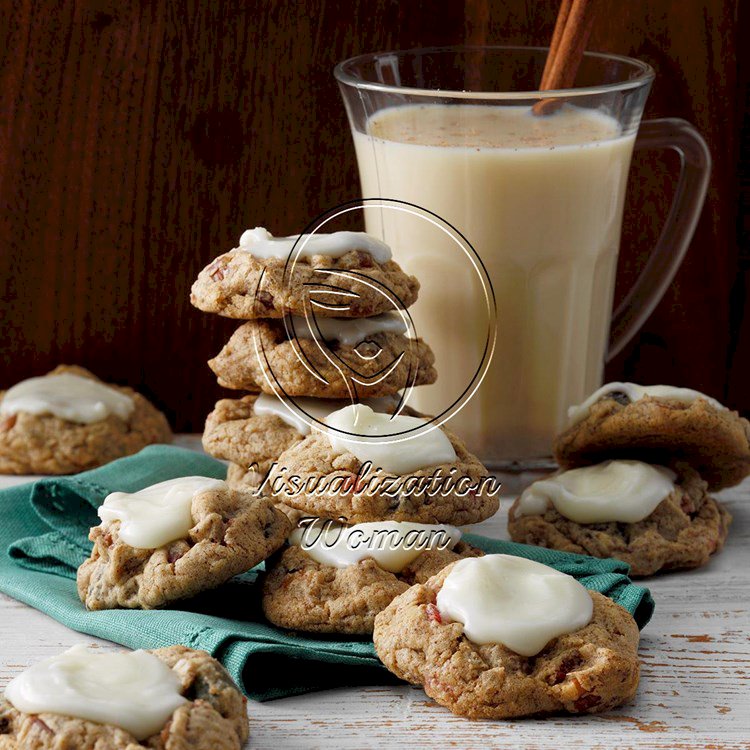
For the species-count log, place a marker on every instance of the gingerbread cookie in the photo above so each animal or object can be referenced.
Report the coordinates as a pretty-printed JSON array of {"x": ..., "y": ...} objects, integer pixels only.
[
  {"x": 347, "y": 359},
  {"x": 428, "y": 478},
  {"x": 497, "y": 655},
  {"x": 325, "y": 587},
  {"x": 660, "y": 425},
  {"x": 648, "y": 516},
  {"x": 174, "y": 540},
  {"x": 345, "y": 275},
  {"x": 210, "y": 713},
  {"x": 69, "y": 421}
]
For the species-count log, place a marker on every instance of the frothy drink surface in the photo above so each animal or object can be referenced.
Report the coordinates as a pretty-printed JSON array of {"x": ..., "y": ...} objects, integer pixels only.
[
  {"x": 494, "y": 128},
  {"x": 540, "y": 198}
]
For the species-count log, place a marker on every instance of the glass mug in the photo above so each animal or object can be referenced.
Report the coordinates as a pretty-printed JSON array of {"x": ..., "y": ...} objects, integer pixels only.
[{"x": 540, "y": 198}]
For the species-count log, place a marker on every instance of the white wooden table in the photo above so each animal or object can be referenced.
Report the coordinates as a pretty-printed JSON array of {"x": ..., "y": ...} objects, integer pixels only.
[{"x": 694, "y": 691}]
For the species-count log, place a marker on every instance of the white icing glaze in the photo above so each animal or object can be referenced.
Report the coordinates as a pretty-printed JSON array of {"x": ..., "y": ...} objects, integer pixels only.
[
  {"x": 519, "y": 603},
  {"x": 391, "y": 544},
  {"x": 67, "y": 396},
  {"x": 399, "y": 455},
  {"x": 622, "y": 491},
  {"x": 348, "y": 331},
  {"x": 262, "y": 244},
  {"x": 319, "y": 408},
  {"x": 134, "y": 691},
  {"x": 156, "y": 515},
  {"x": 288, "y": 413},
  {"x": 635, "y": 393}
]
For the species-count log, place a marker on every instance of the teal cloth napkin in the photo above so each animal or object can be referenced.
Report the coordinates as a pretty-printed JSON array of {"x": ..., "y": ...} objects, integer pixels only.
[{"x": 44, "y": 538}]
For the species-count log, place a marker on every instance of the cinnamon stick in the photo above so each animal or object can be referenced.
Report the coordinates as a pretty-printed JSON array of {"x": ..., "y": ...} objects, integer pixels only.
[
  {"x": 572, "y": 29},
  {"x": 554, "y": 45}
]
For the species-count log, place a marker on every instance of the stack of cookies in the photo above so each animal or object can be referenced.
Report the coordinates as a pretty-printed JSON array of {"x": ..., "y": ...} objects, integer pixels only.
[
  {"x": 325, "y": 328},
  {"x": 637, "y": 465},
  {"x": 327, "y": 325},
  {"x": 396, "y": 519}
]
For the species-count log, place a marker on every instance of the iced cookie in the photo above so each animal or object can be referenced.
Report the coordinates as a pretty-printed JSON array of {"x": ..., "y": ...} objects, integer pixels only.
[
  {"x": 659, "y": 424},
  {"x": 253, "y": 431},
  {"x": 344, "y": 274},
  {"x": 498, "y": 637},
  {"x": 648, "y": 516},
  {"x": 173, "y": 697},
  {"x": 335, "y": 579},
  {"x": 175, "y": 539},
  {"x": 244, "y": 432},
  {"x": 338, "y": 358},
  {"x": 69, "y": 421},
  {"x": 420, "y": 476}
]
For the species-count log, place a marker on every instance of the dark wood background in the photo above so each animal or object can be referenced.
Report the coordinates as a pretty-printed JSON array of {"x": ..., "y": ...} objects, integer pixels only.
[{"x": 138, "y": 139}]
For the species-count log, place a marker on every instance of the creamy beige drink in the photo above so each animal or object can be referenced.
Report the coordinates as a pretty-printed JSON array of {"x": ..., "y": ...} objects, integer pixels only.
[{"x": 540, "y": 199}]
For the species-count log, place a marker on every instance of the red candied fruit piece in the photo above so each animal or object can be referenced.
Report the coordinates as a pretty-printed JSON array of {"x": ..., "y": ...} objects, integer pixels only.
[
  {"x": 216, "y": 271},
  {"x": 687, "y": 506},
  {"x": 36, "y": 721},
  {"x": 353, "y": 484},
  {"x": 8, "y": 423},
  {"x": 433, "y": 613}
]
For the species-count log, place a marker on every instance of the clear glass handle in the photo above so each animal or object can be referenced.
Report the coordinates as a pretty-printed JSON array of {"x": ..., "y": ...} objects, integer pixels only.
[{"x": 673, "y": 242}]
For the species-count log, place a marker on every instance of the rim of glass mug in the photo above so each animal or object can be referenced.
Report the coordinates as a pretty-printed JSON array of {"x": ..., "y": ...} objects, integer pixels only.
[{"x": 641, "y": 73}]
